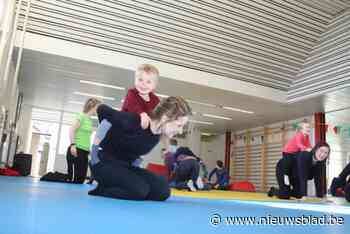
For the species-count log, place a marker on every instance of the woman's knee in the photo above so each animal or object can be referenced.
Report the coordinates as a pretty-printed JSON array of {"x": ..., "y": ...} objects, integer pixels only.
[
  {"x": 347, "y": 192},
  {"x": 163, "y": 195},
  {"x": 140, "y": 193},
  {"x": 160, "y": 191}
]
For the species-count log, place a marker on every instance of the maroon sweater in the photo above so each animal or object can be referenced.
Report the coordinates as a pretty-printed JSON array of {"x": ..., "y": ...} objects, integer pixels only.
[{"x": 136, "y": 104}]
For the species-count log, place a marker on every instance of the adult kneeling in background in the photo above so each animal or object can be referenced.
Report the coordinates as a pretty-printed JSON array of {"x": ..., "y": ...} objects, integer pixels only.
[
  {"x": 303, "y": 167},
  {"x": 340, "y": 186}
]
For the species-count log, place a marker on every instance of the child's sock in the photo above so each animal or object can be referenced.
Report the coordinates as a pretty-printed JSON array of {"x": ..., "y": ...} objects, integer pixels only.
[{"x": 191, "y": 186}]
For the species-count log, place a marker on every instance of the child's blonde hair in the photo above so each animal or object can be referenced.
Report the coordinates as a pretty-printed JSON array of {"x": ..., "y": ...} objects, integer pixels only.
[{"x": 146, "y": 68}]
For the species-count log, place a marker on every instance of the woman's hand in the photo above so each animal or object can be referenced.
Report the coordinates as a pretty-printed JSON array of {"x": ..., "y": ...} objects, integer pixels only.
[{"x": 73, "y": 151}]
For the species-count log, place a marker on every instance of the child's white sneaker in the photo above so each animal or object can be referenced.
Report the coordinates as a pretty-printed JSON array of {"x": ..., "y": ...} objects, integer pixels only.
[{"x": 191, "y": 186}]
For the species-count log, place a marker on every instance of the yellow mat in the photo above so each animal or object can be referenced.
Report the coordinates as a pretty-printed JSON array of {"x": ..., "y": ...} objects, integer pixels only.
[{"x": 244, "y": 196}]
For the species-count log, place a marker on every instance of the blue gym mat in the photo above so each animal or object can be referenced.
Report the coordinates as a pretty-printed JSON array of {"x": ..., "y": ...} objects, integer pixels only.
[{"x": 29, "y": 206}]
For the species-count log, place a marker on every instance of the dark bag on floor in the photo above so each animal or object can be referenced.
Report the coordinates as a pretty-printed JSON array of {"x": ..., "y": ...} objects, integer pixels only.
[
  {"x": 55, "y": 177},
  {"x": 22, "y": 163}
]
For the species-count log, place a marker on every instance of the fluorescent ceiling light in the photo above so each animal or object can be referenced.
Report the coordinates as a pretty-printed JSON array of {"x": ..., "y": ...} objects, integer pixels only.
[
  {"x": 94, "y": 117},
  {"x": 201, "y": 122},
  {"x": 102, "y": 85},
  {"x": 217, "y": 117},
  {"x": 38, "y": 110},
  {"x": 223, "y": 107},
  {"x": 93, "y": 95},
  {"x": 206, "y": 134},
  {"x": 116, "y": 108},
  {"x": 162, "y": 95},
  {"x": 236, "y": 109},
  {"x": 75, "y": 102},
  {"x": 201, "y": 103}
]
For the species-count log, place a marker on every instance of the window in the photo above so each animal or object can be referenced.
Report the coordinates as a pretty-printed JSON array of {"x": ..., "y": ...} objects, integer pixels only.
[{"x": 64, "y": 139}]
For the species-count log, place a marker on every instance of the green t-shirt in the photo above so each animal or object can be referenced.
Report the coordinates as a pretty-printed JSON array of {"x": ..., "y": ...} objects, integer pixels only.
[{"x": 83, "y": 133}]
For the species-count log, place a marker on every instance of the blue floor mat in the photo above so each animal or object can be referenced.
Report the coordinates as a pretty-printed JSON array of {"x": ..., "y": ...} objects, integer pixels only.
[{"x": 32, "y": 207}]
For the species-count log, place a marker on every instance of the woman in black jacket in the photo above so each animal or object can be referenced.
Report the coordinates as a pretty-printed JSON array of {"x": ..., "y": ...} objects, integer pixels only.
[
  {"x": 120, "y": 141},
  {"x": 303, "y": 167}
]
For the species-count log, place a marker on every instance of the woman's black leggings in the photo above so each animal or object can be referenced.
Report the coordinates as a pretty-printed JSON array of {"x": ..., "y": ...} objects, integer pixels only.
[
  {"x": 284, "y": 167},
  {"x": 119, "y": 179},
  {"x": 343, "y": 176},
  {"x": 77, "y": 166}
]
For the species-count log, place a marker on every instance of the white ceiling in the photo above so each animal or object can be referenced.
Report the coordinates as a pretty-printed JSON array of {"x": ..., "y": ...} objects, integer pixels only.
[
  {"x": 263, "y": 42},
  {"x": 50, "y": 81},
  {"x": 260, "y": 41}
]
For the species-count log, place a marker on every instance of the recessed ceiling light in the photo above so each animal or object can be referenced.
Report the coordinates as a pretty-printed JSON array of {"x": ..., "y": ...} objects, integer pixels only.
[
  {"x": 201, "y": 122},
  {"x": 236, "y": 109},
  {"x": 93, "y": 95},
  {"x": 162, "y": 95},
  {"x": 101, "y": 84},
  {"x": 201, "y": 103},
  {"x": 75, "y": 102},
  {"x": 217, "y": 117}
]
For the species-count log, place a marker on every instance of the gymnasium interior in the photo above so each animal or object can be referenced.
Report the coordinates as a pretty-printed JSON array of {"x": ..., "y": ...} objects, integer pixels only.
[{"x": 251, "y": 70}]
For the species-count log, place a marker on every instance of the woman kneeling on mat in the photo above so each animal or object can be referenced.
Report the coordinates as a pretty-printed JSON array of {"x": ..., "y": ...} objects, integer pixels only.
[
  {"x": 340, "y": 186},
  {"x": 120, "y": 141},
  {"x": 301, "y": 168}
]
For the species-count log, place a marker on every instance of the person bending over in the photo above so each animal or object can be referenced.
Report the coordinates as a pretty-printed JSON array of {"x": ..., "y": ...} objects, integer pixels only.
[
  {"x": 186, "y": 170},
  {"x": 303, "y": 167},
  {"x": 340, "y": 186}
]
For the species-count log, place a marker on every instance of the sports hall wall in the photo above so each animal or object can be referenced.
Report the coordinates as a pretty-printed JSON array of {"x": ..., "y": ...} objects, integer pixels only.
[
  {"x": 255, "y": 152},
  {"x": 8, "y": 83}
]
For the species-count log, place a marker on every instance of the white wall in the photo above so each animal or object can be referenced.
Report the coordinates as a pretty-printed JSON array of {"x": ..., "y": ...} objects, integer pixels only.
[
  {"x": 6, "y": 25},
  {"x": 24, "y": 128},
  {"x": 213, "y": 149},
  {"x": 8, "y": 99},
  {"x": 194, "y": 141},
  {"x": 8, "y": 84},
  {"x": 115, "y": 59}
]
